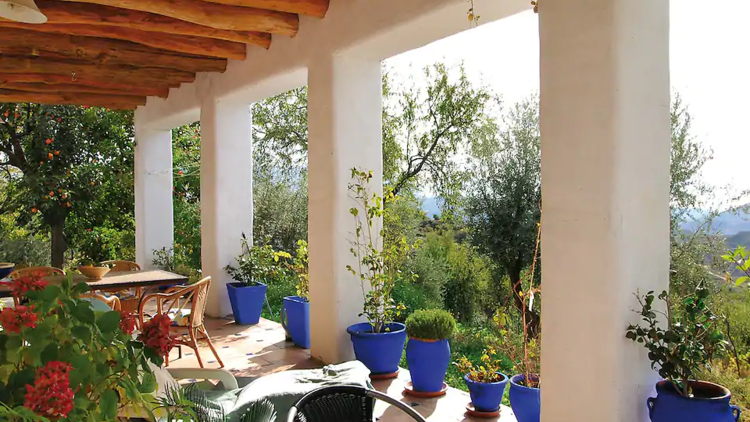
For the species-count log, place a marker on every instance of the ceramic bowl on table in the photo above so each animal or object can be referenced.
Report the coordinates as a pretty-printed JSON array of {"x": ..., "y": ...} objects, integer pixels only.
[
  {"x": 95, "y": 273},
  {"x": 6, "y": 268}
]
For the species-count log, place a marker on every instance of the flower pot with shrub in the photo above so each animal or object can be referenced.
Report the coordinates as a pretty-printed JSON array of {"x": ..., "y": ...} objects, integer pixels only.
[
  {"x": 295, "y": 313},
  {"x": 379, "y": 342},
  {"x": 485, "y": 382},
  {"x": 678, "y": 351},
  {"x": 256, "y": 266},
  {"x": 428, "y": 352}
]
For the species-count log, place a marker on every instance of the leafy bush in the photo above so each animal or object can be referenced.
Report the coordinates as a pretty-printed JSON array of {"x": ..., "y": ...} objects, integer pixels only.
[
  {"x": 104, "y": 243},
  {"x": 430, "y": 324},
  {"x": 259, "y": 264},
  {"x": 413, "y": 295},
  {"x": 172, "y": 261},
  {"x": 470, "y": 275},
  {"x": 280, "y": 210},
  {"x": 26, "y": 252}
]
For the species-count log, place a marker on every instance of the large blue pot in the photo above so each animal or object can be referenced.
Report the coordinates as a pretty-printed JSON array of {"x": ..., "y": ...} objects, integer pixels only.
[
  {"x": 6, "y": 268},
  {"x": 295, "y": 318},
  {"x": 526, "y": 402},
  {"x": 247, "y": 302},
  {"x": 428, "y": 362},
  {"x": 710, "y": 404},
  {"x": 486, "y": 396},
  {"x": 380, "y": 352}
]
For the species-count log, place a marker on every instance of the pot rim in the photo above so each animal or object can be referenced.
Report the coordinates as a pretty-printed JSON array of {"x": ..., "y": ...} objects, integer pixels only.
[
  {"x": 665, "y": 387},
  {"x": 427, "y": 340},
  {"x": 517, "y": 377},
  {"x": 355, "y": 329},
  {"x": 241, "y": 285},
  {"x": 298, "y": 299},
  {"x": 505, "y": 380},
  {"x": 6, "y": 265}
]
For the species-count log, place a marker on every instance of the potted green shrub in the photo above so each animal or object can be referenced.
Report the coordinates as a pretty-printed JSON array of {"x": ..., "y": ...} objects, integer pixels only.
[
  {"x": 295, "y": 313},
  {"x": 678, "y": 350},
  {"x": 379, "y": 342},
  {"x": 256, "y": 266},
  {"x": 485, "y": 382},
  {"x": 428, "y": 352}
]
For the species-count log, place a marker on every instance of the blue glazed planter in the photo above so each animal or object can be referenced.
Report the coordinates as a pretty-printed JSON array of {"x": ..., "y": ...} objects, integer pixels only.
[
  {"x": 526, "y": 402},
  {"x": 710, "y": 404},
  {"x": 247, "y": 302},
  {"x": 428, "y": 362},
  {"x": 295, "y": 318},
  {"x": 486, "y": 396},
  {"x": 380, "y": 352},
  {"x": 6, "y": 268}
]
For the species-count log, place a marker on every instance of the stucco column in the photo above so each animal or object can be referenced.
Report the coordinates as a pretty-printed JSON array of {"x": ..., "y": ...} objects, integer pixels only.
[
  {"x": 345, "y": 131},
  {"x": 154, "y": 225},
  {"x": 605, "y": 130},
  {"x": 226, "y": 193}
]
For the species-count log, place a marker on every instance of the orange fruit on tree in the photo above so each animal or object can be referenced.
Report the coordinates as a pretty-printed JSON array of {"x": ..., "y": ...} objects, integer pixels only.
[
  {"x": 50, "y": 156},
  {"x": 51, "y": 193},
  {"x": 57, "y": 152},
  {"x": 49, "y": 141},
  {"x": 34, "y": 210}
]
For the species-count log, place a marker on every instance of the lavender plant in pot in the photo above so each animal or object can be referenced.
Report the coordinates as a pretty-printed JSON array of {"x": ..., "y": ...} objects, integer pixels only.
[{"x": 677, "y": 351}]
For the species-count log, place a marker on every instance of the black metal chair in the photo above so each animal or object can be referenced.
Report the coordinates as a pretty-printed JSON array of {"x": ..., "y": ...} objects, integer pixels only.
[{"x": 343, "y": 404}]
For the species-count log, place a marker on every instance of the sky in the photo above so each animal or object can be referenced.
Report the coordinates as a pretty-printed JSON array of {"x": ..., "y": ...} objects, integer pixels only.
[{"x": 709, "y": 67}]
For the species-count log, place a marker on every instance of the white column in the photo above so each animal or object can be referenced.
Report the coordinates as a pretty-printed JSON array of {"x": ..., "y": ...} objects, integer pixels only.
[
  {"x": 605, "y": 129},
  {"x": 226, "y": 193},
  {"x": 345, "y": 131},
  {"x": 154, "y": 225}
]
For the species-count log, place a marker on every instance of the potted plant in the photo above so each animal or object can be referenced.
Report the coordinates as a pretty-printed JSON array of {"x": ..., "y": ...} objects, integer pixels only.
[
  {"x": 379, "y": 342},
  {"x": 678, "y": 350},
  {"x": 256, "y": 266},
  {"x": 485, "y": 382},
  {"x": 295, "y": 313},
  {"x": 62, "y": 360},
  {"x": 428, "y": 352}
]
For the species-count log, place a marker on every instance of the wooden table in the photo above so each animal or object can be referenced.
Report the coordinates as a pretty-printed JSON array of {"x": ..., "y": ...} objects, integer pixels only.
[{"x": 119, "y": 280}]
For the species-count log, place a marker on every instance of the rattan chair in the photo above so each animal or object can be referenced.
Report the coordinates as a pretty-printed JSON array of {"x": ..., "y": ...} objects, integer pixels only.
[
  {"x": 37, "y": 271},
  {"x": 192, "y": 298},
  {"x": 343, "y": 403},
  {"x": 130, "y": 298},
  {"x": 112, "y": 301},
  {"x": 120, "y": 266}
]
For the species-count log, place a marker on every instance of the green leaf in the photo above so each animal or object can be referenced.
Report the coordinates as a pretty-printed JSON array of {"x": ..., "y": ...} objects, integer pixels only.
[
  {"x": 13, "y": 349},
  {"x": 109, "y": 322},
  {"x": 51, "y": 293},
  {"x": 82, "y": 333},
  {"x": 81, "y": 288},
  {"x": 82, "y": 311},
  {"x": 108, "y": 404},
  {"x": 148, "y": 384},
  {"x": 741, "y": 280}
]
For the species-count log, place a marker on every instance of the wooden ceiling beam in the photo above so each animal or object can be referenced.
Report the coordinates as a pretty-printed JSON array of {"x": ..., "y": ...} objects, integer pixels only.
[
  {"x": 199, "y": 46},
  {"x": 75, "y": 69},
  {"x": 84, "y": 89},
  {"x": 93, "y": 14},
  {"x": 215, "y": 15},
  {"x": 119, "y": 102},
  {"x": 121, "y": 83},
  {"x": 315, "y": 8},
  {"x": 96, "y": 50}
]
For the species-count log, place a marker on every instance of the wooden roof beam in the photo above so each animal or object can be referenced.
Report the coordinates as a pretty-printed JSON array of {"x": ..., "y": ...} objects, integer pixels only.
[
  {"x": 121, "y": 83},
  {"x": 98, "y": 51},
  {"x": 199, "y": 46},
  {"x": 119, "y": 102},
  {"x": 219, "y": 16},
  {"x": 139, "y": 91},
  {"x": 315, "y": 8},
  {"x": 93, "y": 14}
]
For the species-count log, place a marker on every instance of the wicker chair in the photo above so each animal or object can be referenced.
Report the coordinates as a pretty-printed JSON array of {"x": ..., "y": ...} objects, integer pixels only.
[
  {"x": 38, "y": 271},
  {"x": 343, "y": 403},
  {"x": 129, "y": 297},
  {"x": 183, "y": 298},
  {"x": 112, "y": 301},
  {"x": 120, "y": 266}
]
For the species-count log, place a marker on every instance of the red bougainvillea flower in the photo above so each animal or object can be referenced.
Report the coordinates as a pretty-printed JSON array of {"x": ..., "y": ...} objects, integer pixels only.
[
  {"x": 51, "y": 395},
  {"x": 28, "y": 283},
  {"x": 127, "y": 322},
  {"x": 155, "y": 335},
  {"x": 14, "y": 319}
]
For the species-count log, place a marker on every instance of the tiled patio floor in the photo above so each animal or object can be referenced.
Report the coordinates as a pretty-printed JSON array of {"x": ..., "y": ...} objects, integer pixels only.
[{"x": 254, "y": 351}]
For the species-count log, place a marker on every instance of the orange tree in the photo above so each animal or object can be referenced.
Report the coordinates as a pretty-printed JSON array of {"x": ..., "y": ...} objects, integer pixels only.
[{"x": 59, "y": 161}]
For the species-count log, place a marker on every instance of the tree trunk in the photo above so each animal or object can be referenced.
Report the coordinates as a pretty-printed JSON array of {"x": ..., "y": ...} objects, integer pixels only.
[
  {"x": 533, "y": 318},
  {"x": 59, "y": 245}
]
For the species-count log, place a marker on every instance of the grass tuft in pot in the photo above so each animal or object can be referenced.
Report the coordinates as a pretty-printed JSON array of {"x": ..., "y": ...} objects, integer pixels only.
[{"x": 430, "y": 324}]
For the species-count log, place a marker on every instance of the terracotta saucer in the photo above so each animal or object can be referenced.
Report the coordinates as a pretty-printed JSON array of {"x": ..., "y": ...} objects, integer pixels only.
[
  {"x": 390, "y": 376},
  {"x": 477, "y": 414},
  {"x": 409, "y": 390}
]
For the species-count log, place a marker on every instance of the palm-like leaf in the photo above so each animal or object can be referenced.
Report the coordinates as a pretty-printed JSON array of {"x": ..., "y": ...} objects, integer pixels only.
[{"x": 260, "y": 411}]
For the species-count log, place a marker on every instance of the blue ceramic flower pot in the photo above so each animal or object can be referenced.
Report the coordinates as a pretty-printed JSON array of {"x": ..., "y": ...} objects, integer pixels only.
[
  {"x": 295, "y": 318},
  {"x": 526, "y": 402},
  {"x": 709, "y": 404},
  {"x": 6, "y": 268},
  {"x": 486, "y": 396},
  {"x": 247, "y": 302},
  {"x": 380, "y": 352},
  {"x": 428, "y": 362}
]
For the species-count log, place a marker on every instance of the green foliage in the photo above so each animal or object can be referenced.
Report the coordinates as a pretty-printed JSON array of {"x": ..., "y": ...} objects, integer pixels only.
[
  {"x": 377, "y": 270},
  {"x": 280, "y": 209},
  {"x": 187, "y": 233},
  {"x": 301, "y": 266},
  {"x": 739, "y": 260},
  {"x": 724, "y": 374},
  {"x": 690, "y": 340},
  {"x": 430, "y": 324},
  {"x": 259, "y": 264},
  {"x": 26, "y": 252},
  {"x": 173, "y": 261},
  {"x": 104, "y": 243}
]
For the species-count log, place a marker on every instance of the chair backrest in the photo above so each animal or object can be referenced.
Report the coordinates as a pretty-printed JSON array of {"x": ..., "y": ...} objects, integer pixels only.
[
  {"x": 200, "y": 299},
  {"x": 40, "y": 271},
  {"x": 113, "y": 302},
  {"x": 343, "y": 403},
  {"x": 120, "y": 266}
]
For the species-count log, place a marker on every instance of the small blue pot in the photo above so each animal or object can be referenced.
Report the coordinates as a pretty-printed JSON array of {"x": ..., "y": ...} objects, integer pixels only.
[
  {"x": 526, "y": 402},
  {"x": 295, "y": 318},
  {"x": 711, "y": 404},
  {"x": 380, "y": 352},
  {"x": 486, "y": 396},
  {"x": 6, "y": 268},
  {"x": 428, "y": 362},
  {"x": 247, "y": 302}
]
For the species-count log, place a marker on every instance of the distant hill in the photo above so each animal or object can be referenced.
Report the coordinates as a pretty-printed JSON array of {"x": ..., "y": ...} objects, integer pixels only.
[
  {"x": 728, "y": 223},
  {"x": 431, "y": 206}
]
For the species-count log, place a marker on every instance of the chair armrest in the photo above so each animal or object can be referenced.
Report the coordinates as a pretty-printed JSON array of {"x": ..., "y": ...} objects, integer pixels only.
[{"x": 227, "y": 379}]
